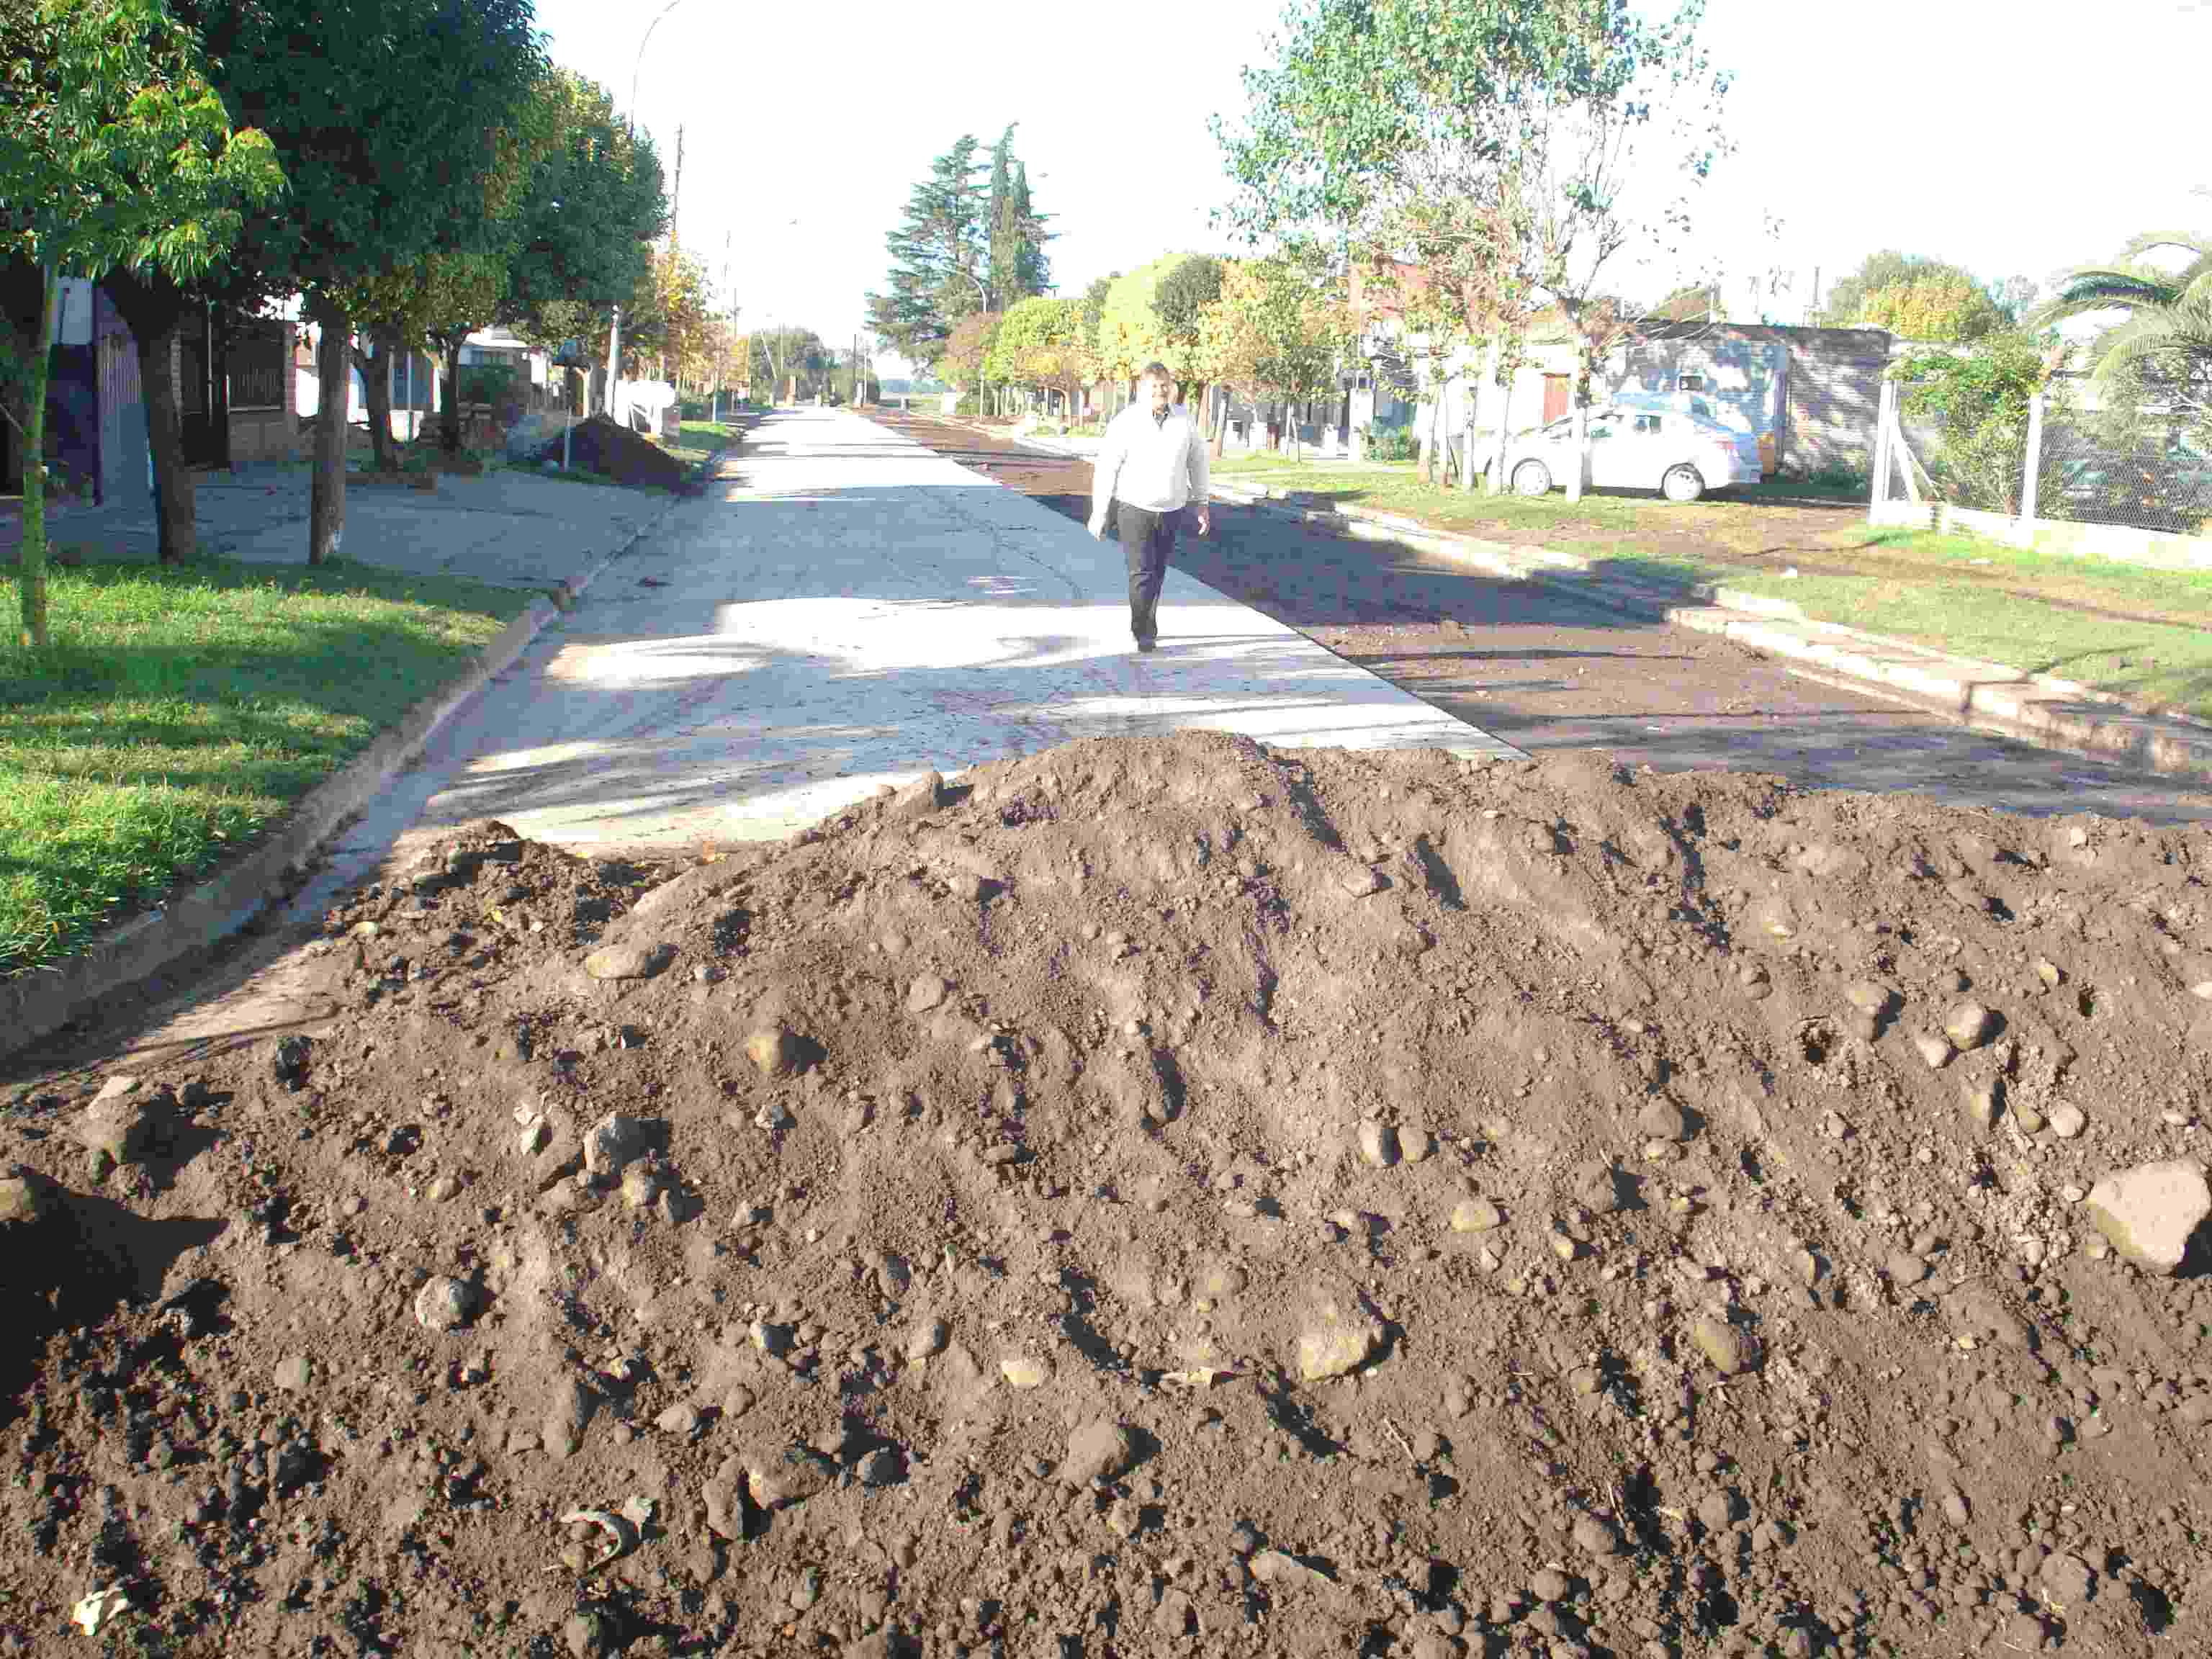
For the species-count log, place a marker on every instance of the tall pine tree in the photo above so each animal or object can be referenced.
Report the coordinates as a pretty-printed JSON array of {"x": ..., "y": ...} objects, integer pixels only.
[
  {"x": 938, "y": 255},
  {"x": 1018, "y": 266}
]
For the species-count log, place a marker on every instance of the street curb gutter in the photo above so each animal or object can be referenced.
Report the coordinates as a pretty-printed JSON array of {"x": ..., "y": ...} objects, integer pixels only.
[
  {"x": 2035, "y": 708},
  {"x": 34, "y": 1004}
]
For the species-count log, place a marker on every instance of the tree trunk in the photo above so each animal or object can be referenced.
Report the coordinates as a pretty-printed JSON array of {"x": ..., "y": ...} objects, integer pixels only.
[
  {"x": 326, "y": 494},
  {"x": 449, "y": 417},
  {"x": 376, "y": 394},
  {"x": 1429, "y": 436},
  {"x": 32, "y": 577},
  {"x": 1473, "y": 407},
  {"x": 176, "y": 491},
  {"x": 1503, "y": 381}
]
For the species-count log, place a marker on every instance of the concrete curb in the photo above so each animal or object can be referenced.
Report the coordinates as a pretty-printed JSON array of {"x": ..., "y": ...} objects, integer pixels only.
[
  {"x": 2036, "y": 708},
  {"x": 33, "y": 1004}
]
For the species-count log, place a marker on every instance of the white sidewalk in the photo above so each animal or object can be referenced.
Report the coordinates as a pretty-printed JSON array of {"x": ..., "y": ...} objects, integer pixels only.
[{"x": 853, "y": 611}]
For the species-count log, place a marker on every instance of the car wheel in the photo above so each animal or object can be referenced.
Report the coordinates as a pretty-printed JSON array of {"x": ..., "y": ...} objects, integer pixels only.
[
  {"x": 1532, "y": 478},
  {"x": 1682, "y": 484}
]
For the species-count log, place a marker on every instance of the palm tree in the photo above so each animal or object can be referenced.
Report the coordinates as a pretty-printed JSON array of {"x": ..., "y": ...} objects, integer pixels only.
[{"x": 2162, "y": 347}]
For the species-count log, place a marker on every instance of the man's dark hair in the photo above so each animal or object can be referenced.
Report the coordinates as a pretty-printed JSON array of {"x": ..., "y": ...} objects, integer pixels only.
[{"x": 1157, "y": 370}]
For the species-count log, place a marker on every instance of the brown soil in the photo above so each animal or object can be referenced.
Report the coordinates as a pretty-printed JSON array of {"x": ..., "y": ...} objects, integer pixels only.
[
  {"x": 604, "y": 445},
  {"x": 1161, "y": 1197}
]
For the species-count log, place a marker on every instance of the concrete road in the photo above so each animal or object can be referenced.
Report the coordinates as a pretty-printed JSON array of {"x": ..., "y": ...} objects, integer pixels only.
[{"x": 845, "y": 609}]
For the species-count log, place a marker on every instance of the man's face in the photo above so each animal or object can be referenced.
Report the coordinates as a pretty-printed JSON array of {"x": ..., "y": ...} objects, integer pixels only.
[{"x": 1159, "y": 394}]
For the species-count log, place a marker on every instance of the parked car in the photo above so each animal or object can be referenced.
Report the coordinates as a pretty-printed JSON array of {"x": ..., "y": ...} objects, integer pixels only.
[
  {"x": 1636, "y": 446},
  {"x": 2180, "y": 477}
]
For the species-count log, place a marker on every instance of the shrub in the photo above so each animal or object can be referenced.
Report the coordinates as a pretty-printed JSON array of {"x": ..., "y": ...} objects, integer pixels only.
[{"x": 1394, "y": 443}]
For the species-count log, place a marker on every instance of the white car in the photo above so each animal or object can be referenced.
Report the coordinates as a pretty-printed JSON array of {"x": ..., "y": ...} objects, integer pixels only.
[{"x": 1680, "y": 454}]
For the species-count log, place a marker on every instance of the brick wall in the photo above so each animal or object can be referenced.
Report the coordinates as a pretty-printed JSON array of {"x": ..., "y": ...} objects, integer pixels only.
[{"x": 1833, "y": 396}]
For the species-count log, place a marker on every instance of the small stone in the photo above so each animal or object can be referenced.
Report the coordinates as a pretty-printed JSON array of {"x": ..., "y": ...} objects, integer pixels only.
[
  {"x": 445, "y": 1304},
  {"x": 1025, "y": 1370},
  {"x": 926, "y": 993},
  {"x": 1475, "y": 1215},
  {"x": 1956, "y": 1509},
  {"x": 293, "y": 1374},
  {"x": 1904, "y": 1269},
  {"x": 613, "y": 1141},
  {"x": 628, "y": 961},
  {"x": 640, "y": 1185},
  {"x": 2150, "y": 1212},
  {"x": 807, "y": 1591},
  {"x": 1337, "y": 1346},
  {"x": 1969, "y": 1025},
  {"x": 1595, "y": 1536},
  {"x": 1101, "y": 1449},
  {"x": 774, "y": 1051},
  {"x": 1871, "y": 997},
  {"x": 722, "y": 1494},
  {"x": 737, "y": 1402},
  {"x": 884, "y": 1467},
  {"x": 787, "y": 1474},
  {"x": 1981, "y": 1106},
  {"x": 680, "y": 1418},
  {"x": 2066, "y": 1580},
  {"x": 1378, "y": 1143},
  {"x": 1728, "y": 1350},
  {"x": 927, "y": 1338},
  {"x": 27, "y": 1197},
  {"x": 567, "y": 1413},
  {"x": 1359, "y": 881},
  {"x": 1549, "y": 1584},
  {"x": 1661, "y": 1119},
  {"x": 2028, "y": 1121},
  {"x": 1718, "y": 1510},
  {"x": 1415, "y": 1144},
  {"x": 115, "y": 1088},
  {"x": 116, "y": 1126},
  {"x": 1935, "y": 1048},
  {"x": 2068, "y": 1120}
]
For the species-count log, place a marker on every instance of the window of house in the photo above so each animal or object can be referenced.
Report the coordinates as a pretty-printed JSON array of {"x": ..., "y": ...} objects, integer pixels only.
[
  {"x": 1691, "y": 382},
  {"x": 1648, "y": 423}
]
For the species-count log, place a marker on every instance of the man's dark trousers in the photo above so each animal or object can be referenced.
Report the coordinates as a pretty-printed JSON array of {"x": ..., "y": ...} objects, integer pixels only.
[{"x": 1147, "y": 537}]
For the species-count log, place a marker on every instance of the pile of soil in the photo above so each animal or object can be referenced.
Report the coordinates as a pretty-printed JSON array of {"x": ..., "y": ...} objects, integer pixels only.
[
  {"x": 604, "y": 445},
  {"x": 1170, "y": 1197}
]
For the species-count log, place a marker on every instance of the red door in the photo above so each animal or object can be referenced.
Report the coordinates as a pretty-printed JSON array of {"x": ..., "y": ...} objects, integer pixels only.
[{"x": 1555, "y": 397}]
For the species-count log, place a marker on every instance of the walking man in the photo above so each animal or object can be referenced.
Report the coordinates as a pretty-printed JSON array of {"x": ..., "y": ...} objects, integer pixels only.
[{"x": 1151, "y": 467}]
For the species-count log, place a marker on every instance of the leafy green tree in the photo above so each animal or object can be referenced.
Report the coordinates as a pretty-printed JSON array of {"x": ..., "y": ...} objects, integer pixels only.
[
  {"x": 116, "y": 153},
  {"x": 1190, "y": 286},
  {"x": 388, "y": 116},
  {"x": 939, "y": 253},
  {"x": 966, "y": 354},
  {"x": 1279, "y": 332},
  {"x": 2161, "y": 349},
  {"x": 1980, "y": 399},
  {"x": 1923, "y": 298},
  {"x": 1040, "y": 344},
  {"x": 1018, "y": 266},
  {"x": 1495, "y": 143}
]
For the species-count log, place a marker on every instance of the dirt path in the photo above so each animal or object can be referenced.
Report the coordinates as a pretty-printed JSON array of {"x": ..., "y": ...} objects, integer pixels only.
[{"x": 1546, "y": 672}]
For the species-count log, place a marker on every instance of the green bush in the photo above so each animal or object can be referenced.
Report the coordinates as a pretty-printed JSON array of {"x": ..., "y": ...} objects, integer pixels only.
[
  {"x": 489, "y": 384},
  {"x": 1393, "y": 443}
]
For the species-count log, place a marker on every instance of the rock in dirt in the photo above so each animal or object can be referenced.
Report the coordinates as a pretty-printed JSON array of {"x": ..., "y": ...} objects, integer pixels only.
[
  {"x": 2150, "y": 1212},
  {"x": 445, "y": 1304},
  {"x": 566, "y": 1414},
  {"x": 1378, "y": 1143},
  {"x": 25, "y": 1197},
  {"x": 1102, "y": 1449},
  {"x": 925, "y": 795},
  {"x": 615, "y": 1140},
  {"x": 927, "y": 992},
  {"x": 1338, "y": 1343},
  {"x": 777, "y": 1475},
  {"x": 293, "y": 1374},
  {"x": 1727, "y": 1349},
  {"x": 774, "y": 1051},
  {"x": 1969, "y": 1025},
  {"x": 619, "y": 962},
  {"x": 1475, "y": 1215}
]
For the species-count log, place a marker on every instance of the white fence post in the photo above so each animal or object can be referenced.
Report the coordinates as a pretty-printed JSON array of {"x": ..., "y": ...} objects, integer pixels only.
[
  {"x": 2028, "y": 487},
  {"x": 1881, "y": 456}
]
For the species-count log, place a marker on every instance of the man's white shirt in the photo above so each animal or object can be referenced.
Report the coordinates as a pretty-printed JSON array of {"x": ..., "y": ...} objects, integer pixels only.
[{"x": 1158, "y": 465}]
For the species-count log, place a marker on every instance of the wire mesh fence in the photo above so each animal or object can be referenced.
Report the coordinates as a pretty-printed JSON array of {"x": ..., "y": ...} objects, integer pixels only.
[{"x": 2148, "y": 468}]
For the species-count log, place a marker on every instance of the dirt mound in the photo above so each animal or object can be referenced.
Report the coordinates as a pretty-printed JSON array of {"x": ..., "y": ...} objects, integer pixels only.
[
  {"x": 1172, "y": 1197},
  {"x": 604, "y": 445}
]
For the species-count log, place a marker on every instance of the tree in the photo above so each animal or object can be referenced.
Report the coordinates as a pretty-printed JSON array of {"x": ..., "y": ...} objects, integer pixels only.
[
  {"x": 388, "y": 116},
  {"x": 117, "y": 153},
  {"x": 595, "y": 202},
  {"x": 1191, "y": 285},
  {"x": 2161, "y": 349},
  {"x": 780, "y": 355},
  {"x": 1490, "y": 143},
  {"x": 1018, "y": 266},
  {"x": 937, "y": 253},
  {"x": 1923, "y": 298},
  {"x": 966, "y": 353},
  {"x": 1040, "y": 344},
  {"x": 1981, "y": 400},
  {"x": 1277, "y": 332}
]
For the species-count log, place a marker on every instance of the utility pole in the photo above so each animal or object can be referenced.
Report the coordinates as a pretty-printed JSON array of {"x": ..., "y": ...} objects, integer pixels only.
[
  {"x": 614, "y": 358},
  {"x": 675, "y": 194}
]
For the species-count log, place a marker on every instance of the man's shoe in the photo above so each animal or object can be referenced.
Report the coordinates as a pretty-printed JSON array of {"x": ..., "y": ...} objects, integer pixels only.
[{"x": 1148, "y": 645}]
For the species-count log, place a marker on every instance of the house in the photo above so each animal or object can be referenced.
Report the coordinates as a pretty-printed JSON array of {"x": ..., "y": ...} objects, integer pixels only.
[{"x": 1811, "y": 396}]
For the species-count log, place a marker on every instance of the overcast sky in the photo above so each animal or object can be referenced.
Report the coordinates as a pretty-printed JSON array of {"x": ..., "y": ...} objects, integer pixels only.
[{"x": 1963, "y": 128}]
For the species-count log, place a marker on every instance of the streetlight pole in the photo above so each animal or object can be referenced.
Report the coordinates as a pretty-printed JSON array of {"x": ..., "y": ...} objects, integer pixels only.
[{"x": 614, "y": 333}]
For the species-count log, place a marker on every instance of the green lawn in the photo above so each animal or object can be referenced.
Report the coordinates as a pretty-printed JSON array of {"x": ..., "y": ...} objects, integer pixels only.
[
  {"x": 178, "y": 711},
  {"x": 2140, "y": 633},
  {"x": 704, "y": 440}
]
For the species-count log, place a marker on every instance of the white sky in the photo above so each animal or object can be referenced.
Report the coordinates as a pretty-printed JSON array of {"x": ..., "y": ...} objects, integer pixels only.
[{"x": 1968, "y": 129}]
